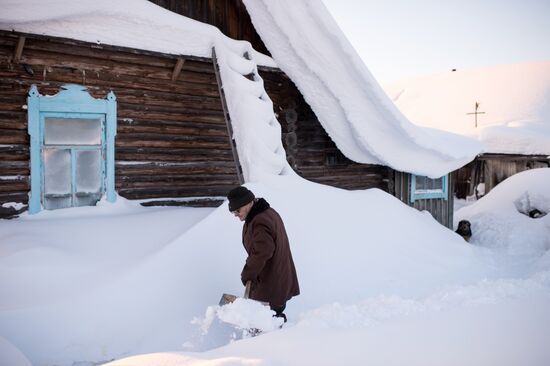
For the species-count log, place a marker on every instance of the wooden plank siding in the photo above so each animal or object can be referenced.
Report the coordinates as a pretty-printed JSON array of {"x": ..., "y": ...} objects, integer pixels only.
[
  {"x": 309, "y": 149},
  {"x": 229, "y": 16},
  {"x": 442, "y": 210},
  {"x": 172, "y": 139},
  {"x": 492, "y": 169}
]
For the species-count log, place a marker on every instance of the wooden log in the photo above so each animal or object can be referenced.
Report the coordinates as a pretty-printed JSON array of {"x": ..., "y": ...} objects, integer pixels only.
[
  {"x": 56, "y": 80},
  {"x": 118, "y": 53},
  {"x": 177, "y": 69},
  {"x": 163, "y": 168},
  {"x": 19, "y": 49},
  {"x": 22, "y": 197},
  {"x": 9, "y": 137},
  {"x": 128, "y": 112},
  {"x": 130, "y": 154},
  {"x": 14, "y": 168},
  {"x": 147, "y": 140},
  {"x": 196, "y": 191},
  {"x": 168, "y": 129},
  {"x": 105, "y": 66},
  {"x": 20, "y": 185}
]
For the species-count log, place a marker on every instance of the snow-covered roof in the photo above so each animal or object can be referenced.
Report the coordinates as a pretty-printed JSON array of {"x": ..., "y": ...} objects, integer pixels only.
[
  {"x": 136, "y": 24},
  {"x": 310, "y": 48},
  {"x": 514, "y": 105},
  {"x": 305, "y": 42}
]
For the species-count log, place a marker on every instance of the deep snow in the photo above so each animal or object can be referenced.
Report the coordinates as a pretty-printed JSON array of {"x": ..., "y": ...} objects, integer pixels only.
[{"x": 93, "y": 284}]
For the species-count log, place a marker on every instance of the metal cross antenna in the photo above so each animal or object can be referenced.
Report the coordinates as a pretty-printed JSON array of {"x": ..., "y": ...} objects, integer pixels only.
[{"x": 476, "y": 113}]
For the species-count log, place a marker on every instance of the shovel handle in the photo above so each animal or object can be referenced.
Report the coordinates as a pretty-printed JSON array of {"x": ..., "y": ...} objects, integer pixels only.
[{"x": 247, "y": 289}]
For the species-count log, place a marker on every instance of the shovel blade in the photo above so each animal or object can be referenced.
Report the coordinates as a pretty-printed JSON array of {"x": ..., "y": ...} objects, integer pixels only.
[{"x": 227, "y": 299}]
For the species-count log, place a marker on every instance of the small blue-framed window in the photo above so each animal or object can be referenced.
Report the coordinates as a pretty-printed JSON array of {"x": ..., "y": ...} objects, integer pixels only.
[
  {"x": 72, "y": 148},
  {"x": 425, "y": 188}
]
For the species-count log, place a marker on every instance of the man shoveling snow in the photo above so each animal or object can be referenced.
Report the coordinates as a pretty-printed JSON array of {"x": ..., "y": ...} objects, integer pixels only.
[{"x": 269, "y": 265}]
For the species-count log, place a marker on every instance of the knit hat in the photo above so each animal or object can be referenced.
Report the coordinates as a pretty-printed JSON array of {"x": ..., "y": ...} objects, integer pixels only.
[{"x": 238, "y": 197}]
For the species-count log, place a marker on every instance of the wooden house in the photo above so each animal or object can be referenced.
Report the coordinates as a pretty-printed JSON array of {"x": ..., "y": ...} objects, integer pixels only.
[{"x": 171, "y": 143}]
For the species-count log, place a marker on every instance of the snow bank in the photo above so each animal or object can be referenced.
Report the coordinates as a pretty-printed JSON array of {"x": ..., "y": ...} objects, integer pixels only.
[
  {"x": 308, "y": 46},
  {"x": 90, "y": 284},
  {"x": 500, "y": 219},
  {"x": 514, "y": 100}
]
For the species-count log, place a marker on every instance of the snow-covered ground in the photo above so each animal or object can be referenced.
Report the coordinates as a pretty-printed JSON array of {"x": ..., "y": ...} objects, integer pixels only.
[{"x": 381, "y": 282}]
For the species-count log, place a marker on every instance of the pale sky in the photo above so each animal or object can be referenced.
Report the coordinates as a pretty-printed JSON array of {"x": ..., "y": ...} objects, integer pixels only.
[{"x": 398, "y": 39}]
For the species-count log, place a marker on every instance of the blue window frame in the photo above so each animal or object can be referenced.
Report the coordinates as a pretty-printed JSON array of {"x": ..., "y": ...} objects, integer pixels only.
[
  {"x": 72, "y": 148},
  {"x": 424, "y": 188}
]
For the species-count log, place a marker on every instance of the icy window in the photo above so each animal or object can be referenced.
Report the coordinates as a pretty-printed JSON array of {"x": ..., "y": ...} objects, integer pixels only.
[
  {"x": 427, "y": 185},
  {"x": 72, "y": 131},
  {"x": 57, "y": 171},
  {"x": 88, "y": 170}
]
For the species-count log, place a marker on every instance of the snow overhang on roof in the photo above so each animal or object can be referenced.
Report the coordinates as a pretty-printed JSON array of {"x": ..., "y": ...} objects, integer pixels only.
[{"x": 310, "y": 48}]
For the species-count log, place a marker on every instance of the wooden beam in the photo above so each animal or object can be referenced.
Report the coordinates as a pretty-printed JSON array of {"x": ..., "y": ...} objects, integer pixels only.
[
  {"x": 227, "y": 118},
  {"x": 19, "y": 49},
  {"x": 177, "y": 69}
]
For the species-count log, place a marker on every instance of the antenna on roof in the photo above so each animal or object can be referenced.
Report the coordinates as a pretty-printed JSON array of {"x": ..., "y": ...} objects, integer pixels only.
[{"x": 475, "y": 113}]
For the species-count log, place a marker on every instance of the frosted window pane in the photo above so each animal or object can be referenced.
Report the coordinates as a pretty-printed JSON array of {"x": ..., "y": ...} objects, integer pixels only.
[
  {"x": 86, "y": 199},
  {"x": 53, "y": 203},
  {"x": 88, "y": 170},
  {"x": 425, "y": 184},
  {"x": 72, "y": 131},
  {"x": 57, "y": 171}
]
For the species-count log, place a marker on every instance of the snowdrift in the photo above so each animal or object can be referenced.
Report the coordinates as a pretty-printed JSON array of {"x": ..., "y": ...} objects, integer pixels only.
[
  {"x": 77, "y": 292},
  {"x": 500, "y": 220}
]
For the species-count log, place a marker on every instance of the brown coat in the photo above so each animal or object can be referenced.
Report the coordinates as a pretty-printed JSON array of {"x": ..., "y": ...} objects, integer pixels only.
[{"x": 269, "y": 264}]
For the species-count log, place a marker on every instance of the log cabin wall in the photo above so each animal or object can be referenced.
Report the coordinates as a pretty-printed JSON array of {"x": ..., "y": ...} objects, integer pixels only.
[
  {"x": 492, "y": 169},
  {"x": 172, "y": 139},
  {"x": 230, "y": 16},
  {"x": 309, "y": 149}
]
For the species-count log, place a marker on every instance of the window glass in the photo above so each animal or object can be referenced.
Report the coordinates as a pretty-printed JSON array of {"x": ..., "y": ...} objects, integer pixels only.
[
  {"x": 57, "y": 171},
  {"x": 88, "y": 170},
  {"x": 423, "y": 188},
  {"x": 72, "y": 131},
  {"x": 425, "y": 184}
]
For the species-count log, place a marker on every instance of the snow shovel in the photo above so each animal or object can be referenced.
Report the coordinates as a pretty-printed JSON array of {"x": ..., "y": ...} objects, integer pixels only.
[{"x": 228, "y": 298}]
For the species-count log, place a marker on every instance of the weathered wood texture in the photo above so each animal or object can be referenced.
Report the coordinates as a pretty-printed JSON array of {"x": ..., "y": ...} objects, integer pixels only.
[
  {"x": 309, "y": 149},
  {"x": 442, "y": 210},
  {"x": 172, "y": 139},
  {"x": 230, "y": 16},
  {"x": 492, "y": 169}
]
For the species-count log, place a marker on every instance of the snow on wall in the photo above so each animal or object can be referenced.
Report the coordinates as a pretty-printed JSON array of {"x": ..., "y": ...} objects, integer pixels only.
[
  {"x": 366, "y": 126},
  {"x": 514, "y": 99},
  {"x": 255, "y": 127}
]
